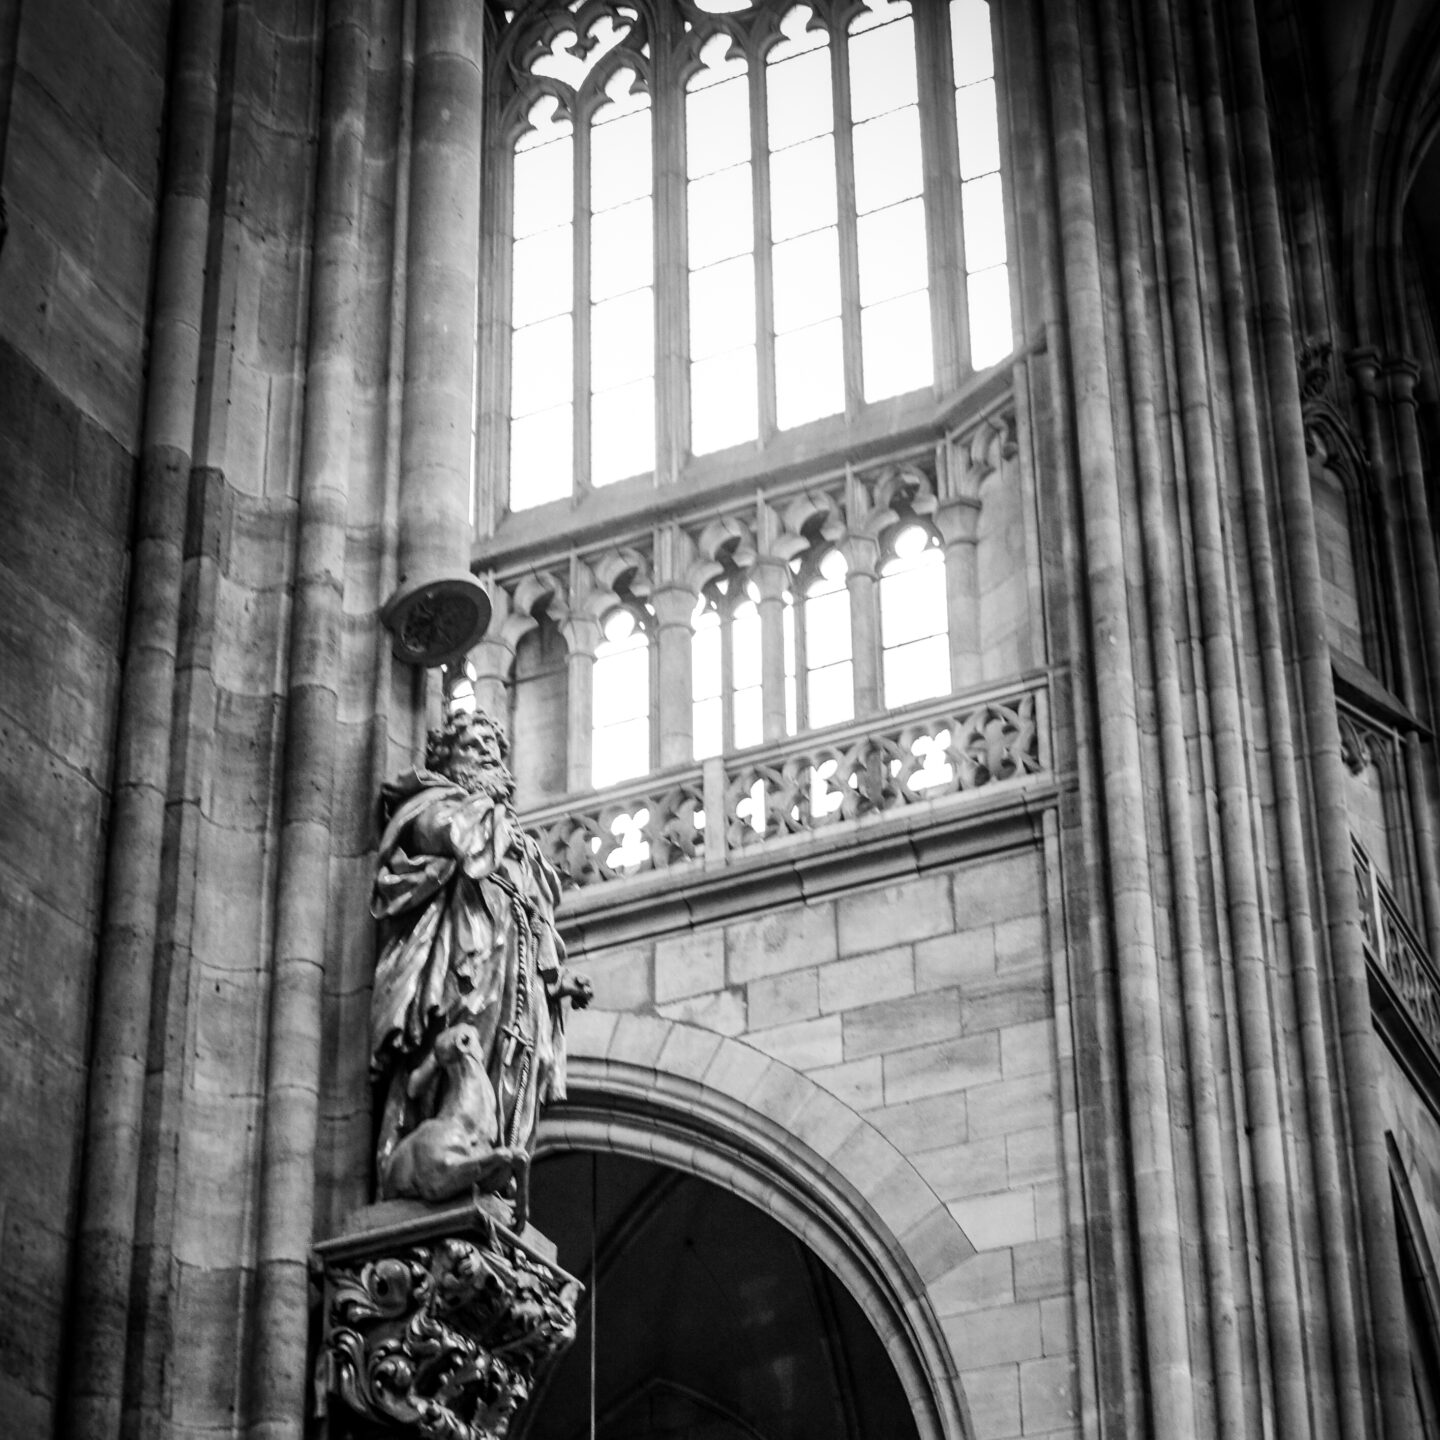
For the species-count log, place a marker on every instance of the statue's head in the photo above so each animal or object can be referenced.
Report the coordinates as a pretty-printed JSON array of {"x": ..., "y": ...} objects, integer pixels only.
[{"x": 470, "y": 749}]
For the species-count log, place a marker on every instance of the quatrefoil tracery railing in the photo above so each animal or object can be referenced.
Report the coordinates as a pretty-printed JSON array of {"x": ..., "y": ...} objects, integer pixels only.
[{"x": 740, "y": 803}]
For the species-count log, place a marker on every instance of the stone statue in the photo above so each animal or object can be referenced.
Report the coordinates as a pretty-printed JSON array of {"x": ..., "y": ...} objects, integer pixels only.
[{"x": 467, "y": 1018}]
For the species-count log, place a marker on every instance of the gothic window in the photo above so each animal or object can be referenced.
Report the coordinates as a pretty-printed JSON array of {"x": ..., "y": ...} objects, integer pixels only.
[
  {"x": 914, "y": 616},
  {"x": 821, "y": 667},
  {"x": 713, "y": 223},
  {"x": 621, "y": 689},
  {"x": 725, "y": 667},
  {"x": 581, "y": 275}
]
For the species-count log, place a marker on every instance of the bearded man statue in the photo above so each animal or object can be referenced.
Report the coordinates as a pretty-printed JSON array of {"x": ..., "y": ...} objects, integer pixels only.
[{"x": 468, "y": 1010}]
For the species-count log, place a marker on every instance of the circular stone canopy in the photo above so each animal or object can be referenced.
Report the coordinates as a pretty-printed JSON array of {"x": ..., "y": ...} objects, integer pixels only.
[
  {"x": 712, "y": 1321},
  {"x": 433, "y": 622}
]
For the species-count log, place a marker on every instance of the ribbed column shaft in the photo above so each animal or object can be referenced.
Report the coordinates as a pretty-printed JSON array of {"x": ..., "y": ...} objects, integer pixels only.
[
  {"x": 1235, "y": 1412},
  {"x": 1255, "y": 1019},
  {"x": 1146, "y": 1081},
  {"x": 278, "y": 1365},
  {"x": 1304, "y": 975},
  {"x": 124, "y": 979},
  {"x": 1360, "y": 1072}
]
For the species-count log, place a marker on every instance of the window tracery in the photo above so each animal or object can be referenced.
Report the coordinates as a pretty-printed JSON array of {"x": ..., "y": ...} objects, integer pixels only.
[{"x": 721, "y": 222}]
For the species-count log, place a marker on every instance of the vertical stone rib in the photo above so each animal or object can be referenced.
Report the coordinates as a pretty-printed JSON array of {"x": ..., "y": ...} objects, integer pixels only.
[
  {"x": 1304, "y": 972},
  {"x": 1403, "y": 376},
  {"x": 1138, "y": 283},
  {"x": 277, "y": 1372},
  {"x": 442, "y": 285},
  {"x": 1255, "y": 1019},
  {"x": 9, "y": 45},
  {"x": 1146, "y": 1080},
  {"x": 125, "y": 968},
  {"x": 1359, "y": 1070}
]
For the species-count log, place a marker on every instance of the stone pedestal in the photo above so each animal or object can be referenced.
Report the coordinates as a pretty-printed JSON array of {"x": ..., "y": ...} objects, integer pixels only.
[{"x": 435, "y": 1320}]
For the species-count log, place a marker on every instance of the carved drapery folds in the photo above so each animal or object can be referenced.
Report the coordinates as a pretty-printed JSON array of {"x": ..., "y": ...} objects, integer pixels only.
[{"x": 437, "y": 1331}]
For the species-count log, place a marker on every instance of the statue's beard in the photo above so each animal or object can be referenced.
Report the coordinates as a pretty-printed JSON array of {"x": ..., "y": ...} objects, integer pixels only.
[{"x": 493, "y": 780}]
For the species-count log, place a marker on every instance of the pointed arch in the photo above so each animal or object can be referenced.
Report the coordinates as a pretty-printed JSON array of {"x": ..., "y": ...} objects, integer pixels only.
[{"x": 713, "y": 1106}]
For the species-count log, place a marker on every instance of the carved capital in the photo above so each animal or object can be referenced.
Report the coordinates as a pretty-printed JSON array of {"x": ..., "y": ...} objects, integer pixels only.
[
  {"x": 1355, "y": 745},
  {"x": 1313, "y": 363},
  {"x": 436, "y": 1329},
  {"x": 978, "y": 454}
]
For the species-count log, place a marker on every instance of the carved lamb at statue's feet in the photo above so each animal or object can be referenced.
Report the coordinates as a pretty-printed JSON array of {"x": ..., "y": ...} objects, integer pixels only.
[{"x": 453, "y": 1151}]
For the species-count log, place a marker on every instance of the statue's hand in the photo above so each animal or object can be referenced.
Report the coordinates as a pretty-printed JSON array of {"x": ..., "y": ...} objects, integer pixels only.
[{"x": 579, "y": 989}]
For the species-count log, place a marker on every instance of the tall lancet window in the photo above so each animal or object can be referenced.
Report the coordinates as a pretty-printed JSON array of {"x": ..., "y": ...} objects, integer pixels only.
[
  {"x": 582, "y": 271},
  {"x": 889, "y": 205},
  {"x": 721, "y": 251}
]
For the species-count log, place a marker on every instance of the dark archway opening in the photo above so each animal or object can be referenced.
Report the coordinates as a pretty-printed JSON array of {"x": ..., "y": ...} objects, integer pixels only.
[{"x": 711, "y": 1320}]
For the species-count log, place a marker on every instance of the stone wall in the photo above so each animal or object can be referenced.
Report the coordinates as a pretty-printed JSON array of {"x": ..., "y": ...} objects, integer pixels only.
[
  {"x": 926, "y": 1005},
  {"x": 83, "y": 94}
]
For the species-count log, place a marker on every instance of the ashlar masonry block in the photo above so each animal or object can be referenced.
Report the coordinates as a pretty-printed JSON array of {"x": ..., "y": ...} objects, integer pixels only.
[
  {"x": 689, "y": 964},
  {"x": 788, "y": 939},
  {"x": 895, "y": 914},
  {"x": 867, "y": 979}
]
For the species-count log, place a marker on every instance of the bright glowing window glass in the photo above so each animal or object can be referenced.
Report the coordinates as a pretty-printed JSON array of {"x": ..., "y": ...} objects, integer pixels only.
[
  {"x": 895, "y": 340},
  {"x": 805, "y": 249},
  {"x": 829, "y": 674},
  {"x": 723, "y": 404},
  {"x": 541, "y": 445},
  {"x": 622, "y": 290},
  {"x": 914, "y": 623},
  {"x": 620, "y": 706},
  {"x": 987, "y": 280}
]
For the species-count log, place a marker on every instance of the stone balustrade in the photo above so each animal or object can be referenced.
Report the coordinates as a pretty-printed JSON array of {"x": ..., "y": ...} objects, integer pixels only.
[{"x": 709, "y": 812}]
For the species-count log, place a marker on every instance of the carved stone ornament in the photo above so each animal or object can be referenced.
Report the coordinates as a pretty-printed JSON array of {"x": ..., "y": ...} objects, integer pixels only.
[
  {"x": 1313, "y": 363},
  {"x": 436, "y": 1327},
  {"x": 435, "y": 621}
]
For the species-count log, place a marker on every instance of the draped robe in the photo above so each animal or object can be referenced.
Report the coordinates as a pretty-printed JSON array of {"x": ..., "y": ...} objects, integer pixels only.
[{"x": 466, "y": 904}]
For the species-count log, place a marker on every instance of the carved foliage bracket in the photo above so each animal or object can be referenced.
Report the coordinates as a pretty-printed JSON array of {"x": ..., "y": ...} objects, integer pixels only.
[{"x": 436, "y": 1332}]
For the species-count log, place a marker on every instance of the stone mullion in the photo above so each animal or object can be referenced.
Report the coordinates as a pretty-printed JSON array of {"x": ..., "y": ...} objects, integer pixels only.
[
  {"x": 944, "y": 232},
  {"x": 582, "y": 635},
  {"x": 580, "y": 309},
  {"x": 1121, "y": 793},
  {"x": 125, "y": 967},
  {"x": 672, "y": 418},
  {"x": 1377, "y": 1240},
  {"x": 862, "y": 557},
  {"x": 958, "y": 521},
  {"x": 674, "y": 604},
  {"x": 764, "y": 276},
  {"x": 849, "y": 242},
  {"x": 772, "y": 578}
]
